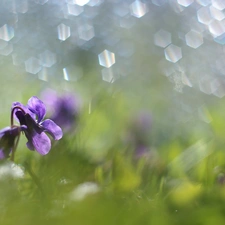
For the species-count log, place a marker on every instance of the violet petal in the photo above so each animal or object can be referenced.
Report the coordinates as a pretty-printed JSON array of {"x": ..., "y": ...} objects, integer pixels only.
[
  {"x": 25, "y": 109},
  {"x": 36, "y": 106},
  {"x": 30, "y": 144},
  {"x": 41, "y": 143},
  {"x": 2, "y": 131},
  {"x": 54, "y": 130},
  {"x": 8, "y": 136}
]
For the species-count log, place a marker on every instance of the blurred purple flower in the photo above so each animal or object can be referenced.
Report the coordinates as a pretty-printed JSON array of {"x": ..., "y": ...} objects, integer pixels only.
[
  {"x": 142, "y": 122},
  {"x": 31, "y": 117},
  {"x": 141, "y": 127},
  {"x": 141, "y": 151},
  {"x": 138, "y": 134},
  {"x": 8, "y": 136},
  {"x": 64, "y": 108}
]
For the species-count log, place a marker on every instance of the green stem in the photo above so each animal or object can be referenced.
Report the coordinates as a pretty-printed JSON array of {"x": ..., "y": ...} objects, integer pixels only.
[
  {"x": 35, "y": 178},
  {"x": 14, "y": 148}
]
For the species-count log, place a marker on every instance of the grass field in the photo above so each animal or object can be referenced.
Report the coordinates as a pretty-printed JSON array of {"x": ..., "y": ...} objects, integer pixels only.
[{"x": 97, "y": 174}]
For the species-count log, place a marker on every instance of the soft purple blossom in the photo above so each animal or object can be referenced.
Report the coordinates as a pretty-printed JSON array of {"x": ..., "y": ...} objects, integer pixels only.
[
  {"x": 64, "y": 108},
  {"x": 8, "y": 137},
  {"x": 142, "y": 122},
  {"x": 31, "y": 117},
  {"x": 141, "y": 150},
  {"x": 140, "y": 128},
  {"x": 139, "y": 131}
]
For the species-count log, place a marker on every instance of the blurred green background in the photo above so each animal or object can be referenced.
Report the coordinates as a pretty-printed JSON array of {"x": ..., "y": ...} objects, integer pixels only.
[{"x": 172, "y": 110}]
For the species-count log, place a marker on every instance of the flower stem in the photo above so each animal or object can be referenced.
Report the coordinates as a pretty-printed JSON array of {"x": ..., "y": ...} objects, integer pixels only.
[
  {"x": 14, "y": 148},
  {"x": 12, "y": 113}
]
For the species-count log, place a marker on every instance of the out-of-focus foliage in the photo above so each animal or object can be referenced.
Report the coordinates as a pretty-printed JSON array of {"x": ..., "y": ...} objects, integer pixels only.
[{"x": 93, "y": 176}]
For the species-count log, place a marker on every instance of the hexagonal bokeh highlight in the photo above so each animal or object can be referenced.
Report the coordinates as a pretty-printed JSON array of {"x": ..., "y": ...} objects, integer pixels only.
[
  {"x": 203, "y": 2},
  {"x": 47, "y": 58},
  {"x": 138, "y": 9},
  {"x": 6, "y": 32},
  {"x": 204, "y": 15},
  {"x": 32, "y": 65},
  {"x": 20, "y": 6},
  {"x": 219, "y": 4},
  {"x": 216, "y": 13},
  {"x": 216, "y": 28},
  {"x": 43, "y": 74},
  {"x": 17, "y": 60},
  {"x": 74, "y": 10},
  {"x": 185, "y": 3},
  {"x": 63, "y": 32},
  {"x": 106, "y": 58},
  {"x": 194, "y": 39},
  {"x": 72, "y": 72},
  {"x": 107, "y": 75},
  {"x": 86, "y": 32},
  {"x": 162, "y": 38},
  {"x": 81, "y": 2},
  {"x": 173, "y": 53}
]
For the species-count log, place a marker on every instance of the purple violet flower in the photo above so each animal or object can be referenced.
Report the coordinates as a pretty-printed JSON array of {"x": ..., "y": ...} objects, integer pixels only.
[
  {"x": 8, "y": 137},
  {"x": 31, "y": 117},
  {"x": 64, "y": 109}
]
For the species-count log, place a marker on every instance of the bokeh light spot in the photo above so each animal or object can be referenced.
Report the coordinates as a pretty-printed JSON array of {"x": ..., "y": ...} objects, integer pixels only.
[
  {"x": 185, "y": 3},
  {"x": 162, "y": 38},
  {"x": 107, "y": 75},
  {"x": 106, "y": 58},
  {"x": 204, "y": 16},
  {"x": 203, "y": 2},
  {"x": 138, "y": 9},
  {"x": 194, "y": 39},
  {"x": 74, "y": 10},
  {"x": 216, "y": 28},
  {"x": 173, "y": 53},
  {"x": 81, "y": 2},
  {"x": 86, "y": 32},
  {"x": 47, "y": 58},
  {"x": 219, "y": 4},
  {"x": 32, "y": 65},
  {"x": 63, "y": 32},
  {"x": 6, "y": 32},
  {"x": 216, "y": 13}
]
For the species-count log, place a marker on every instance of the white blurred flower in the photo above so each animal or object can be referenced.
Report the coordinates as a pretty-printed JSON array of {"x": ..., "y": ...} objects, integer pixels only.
[
  {"x": 84, "y": 189},
  {"x": 10, "y": 169}
]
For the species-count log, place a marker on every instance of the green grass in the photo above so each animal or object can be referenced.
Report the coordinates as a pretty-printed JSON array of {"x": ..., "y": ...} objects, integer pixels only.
[{"x": 182, "y": 181}]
